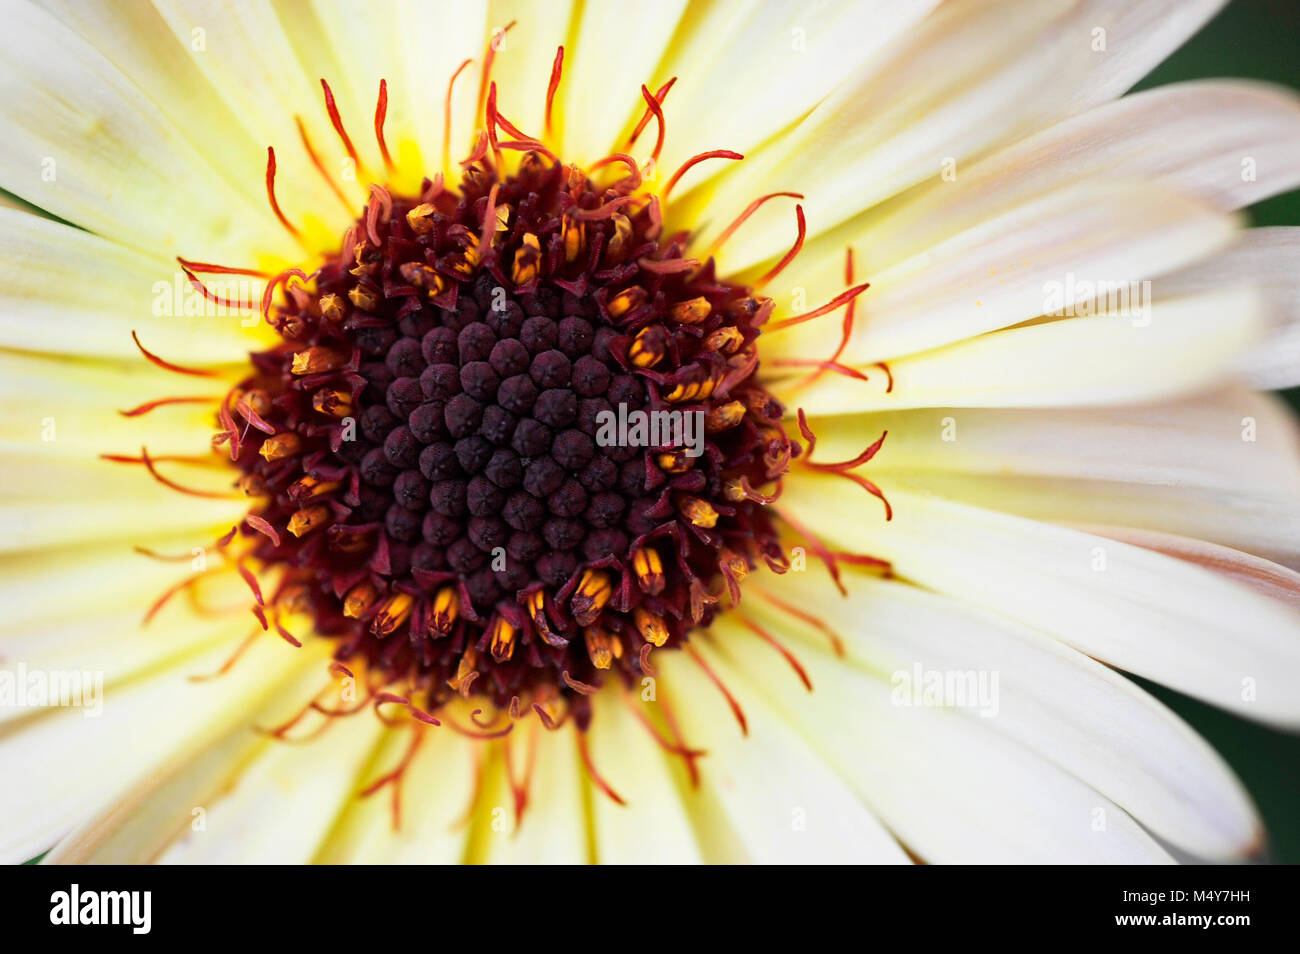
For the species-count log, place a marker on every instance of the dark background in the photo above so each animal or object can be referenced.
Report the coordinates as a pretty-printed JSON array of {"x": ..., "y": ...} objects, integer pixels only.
[{"x": 1258, "y": 39}]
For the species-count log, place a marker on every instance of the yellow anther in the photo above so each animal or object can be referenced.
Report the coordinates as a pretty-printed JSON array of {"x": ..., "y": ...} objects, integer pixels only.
[
  {"x": 502, "y": 638},
  {"x": 317, "y": 359},
  {"x": 420, "y": 218},
  {"x": 332, "y": 308},
  {"x": 359, "y": 599},
  {"x": 599, "y": 647},
  {"x": 446, "y": 607},
  {"x": 626, "y": 300},
  {"x": 650, "y": 626},
  {"x": 724, "y": 416},
  {"x": 697, "y": 511},
  {"x": 281, "y": 446},
  {"x": 308, "y": 519},
  {"x": 648, "y": 347},
  {"x": 690, "y": 312},
  {"x": 333, "y": 402},
  {"x": 591, "y": 597},
  {"x": 649, "y": 570},
  {"x": 393, "y": 612},
  {"x": 363, "y": 298},
  {"x": 527, "y": 258}
]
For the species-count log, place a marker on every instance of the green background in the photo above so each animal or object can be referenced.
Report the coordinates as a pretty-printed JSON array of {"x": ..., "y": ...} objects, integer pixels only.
[{"x": 1258, "y": 39}]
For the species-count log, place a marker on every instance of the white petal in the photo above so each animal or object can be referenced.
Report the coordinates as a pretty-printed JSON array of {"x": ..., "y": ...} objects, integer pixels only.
[
  {"x": 553, "y": 827},
  {"x": 1095, "y": 724},
  {"x": 1044, "y": 256},
  {"x": 1141, "y": 611},
  {"x": 522, "y": 68},
  {"x": 747, "y": 69},
  {"x": 653, "y": 826},
  {"x": 437, "y": 797},
  {"x": 284, "y": 801},
  {"x": 951, "y": 789},
  {"x": 66, "y": 291},
  {"x": 72, "y": 764},
  {"x": 1178, "y": 346},
  {"x": 1270, "y": 258},
  {"x": 86, "y": 144},
  {"x": 617, "y": 49},
  {"x": 972, "y": 77},
  {"x": 1228, "y": 440},
  {"x": 766, "y": 797}
]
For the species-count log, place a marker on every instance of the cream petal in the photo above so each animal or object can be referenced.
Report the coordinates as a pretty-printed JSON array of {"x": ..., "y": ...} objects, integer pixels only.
[
  {"x": 553, "y": 827},
  {"x": 120, "y": 646},
  {"x": 1266, "y": 577},
  {"x": 72, "y": 764},
  {"x": 1141, "y": 611},
  {"x": 1093, "y": 723},
  {"x": 137, "y": 40},
  {"x": 284, "y": 802},
  {"x": 522, "y": 68},
  {"x": 66, "y": 291},
  {"x": 1231, "y": 440},
  {"x": 779, "y": 60},
  {"x": 1179, "y": 346},
  {"x": 1270, "y": 258},
  {"x": 653, "y": 826},
  {"x": 437, "y": 796},
  {"x": 266, "y": 65},
  {"x": 801, "y": 812},
  {"x": 942, "y": 99},
  {"x": 951, "y": 789},
  {"x": 168, "y": 802},
  {"x": 1044, "y": 256},
  {"x": 616, "y": 51},
  {"x": 89, "y": 146}
]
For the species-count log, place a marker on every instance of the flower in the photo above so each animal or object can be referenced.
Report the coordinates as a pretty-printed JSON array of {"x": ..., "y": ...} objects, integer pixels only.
[{"x": 1025, "y": 453}]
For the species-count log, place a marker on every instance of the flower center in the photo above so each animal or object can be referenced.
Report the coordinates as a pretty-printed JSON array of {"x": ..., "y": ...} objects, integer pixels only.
[{"x": 512, "y": 439}]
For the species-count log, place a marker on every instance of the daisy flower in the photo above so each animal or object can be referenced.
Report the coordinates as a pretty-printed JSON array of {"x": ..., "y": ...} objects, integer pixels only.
[{"x": 656, "y": 432}]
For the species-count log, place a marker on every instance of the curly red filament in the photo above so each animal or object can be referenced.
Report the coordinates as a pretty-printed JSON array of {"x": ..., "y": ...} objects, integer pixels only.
[
  {"x": 495, "y": 42},
  {"x": 239, "y": 304},
  {"x": 736, "y": 710},
  {"x": 165, "y": 402},
  {"x": 592, "y": 773},
  {"x": 776, "y": 644},
  {"x": 446, "y": 116},
  {"x": 819, "y": 549},
  {"x": 660, "y": 95},
  {"x": 843, "y": 297},
  {"x": 167, "y": 365},
  {"x": 381, "y": 113},
  {"x": 780, "y": 266},
  {"x": 336, "y": 121},
  {"x": 652, "y": 104},
  {"x": 557, "y": 70},
  {"x": 694, "y": 161},
  {"x": 270, "y": 193},
  {"x": 744, "y": 217},
  {"x": 846, "y": 330},
  {"x": 264, "y": 528},
  {"x": 821, "y": 366},
  {"x": 208, "y": 268},
  {"x": 837, "y": 644},
  {"x": 320, "y": 166},
  {"x": 180, "y": 488}
]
